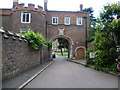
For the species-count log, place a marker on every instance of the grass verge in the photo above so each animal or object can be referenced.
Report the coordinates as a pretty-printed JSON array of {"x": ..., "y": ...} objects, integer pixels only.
[{"x": 64, "y": 54}]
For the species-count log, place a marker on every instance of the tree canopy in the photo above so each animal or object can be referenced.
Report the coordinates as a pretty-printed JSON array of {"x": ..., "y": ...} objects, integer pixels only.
[
  {"x": 92, "y": 24},
  {"x": 107, "y": 37}
]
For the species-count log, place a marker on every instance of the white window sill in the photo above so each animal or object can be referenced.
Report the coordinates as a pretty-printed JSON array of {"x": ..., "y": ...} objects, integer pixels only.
[{"x": 26, "y": 22}]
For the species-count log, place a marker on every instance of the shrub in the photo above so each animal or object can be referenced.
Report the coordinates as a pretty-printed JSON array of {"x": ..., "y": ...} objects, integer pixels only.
[
  {"x": 114, "y": 67},
  {"x": 104, "y": 58},
  {"x": 36, "y": 40}
]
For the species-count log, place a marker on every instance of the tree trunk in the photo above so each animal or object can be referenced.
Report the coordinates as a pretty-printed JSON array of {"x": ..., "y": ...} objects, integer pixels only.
[{"x": 61, "y": 52}]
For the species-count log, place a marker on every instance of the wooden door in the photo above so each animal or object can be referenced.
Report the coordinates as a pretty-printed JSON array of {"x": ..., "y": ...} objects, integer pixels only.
[{"x": 80, "y": 53}]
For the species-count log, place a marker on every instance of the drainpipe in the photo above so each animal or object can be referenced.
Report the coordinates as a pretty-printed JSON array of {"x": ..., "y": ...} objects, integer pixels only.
[{"x": 85, "y": 17}]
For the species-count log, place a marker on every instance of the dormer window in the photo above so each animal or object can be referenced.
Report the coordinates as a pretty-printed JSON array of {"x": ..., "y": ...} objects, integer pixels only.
[
  {"x": 55, "y": 20},
  {"x": 79, "y": 21},
  {"x": 67, "y": 20},
  {"x": 25, "y": 17}
]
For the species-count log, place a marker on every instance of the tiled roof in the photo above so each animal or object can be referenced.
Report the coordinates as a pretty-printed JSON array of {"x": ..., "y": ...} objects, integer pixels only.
[{"x": 5, "y": 13}]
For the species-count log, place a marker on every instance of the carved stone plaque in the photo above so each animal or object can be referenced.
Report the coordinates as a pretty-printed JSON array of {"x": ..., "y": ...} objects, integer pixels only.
[{"x": 61, "y": 31}]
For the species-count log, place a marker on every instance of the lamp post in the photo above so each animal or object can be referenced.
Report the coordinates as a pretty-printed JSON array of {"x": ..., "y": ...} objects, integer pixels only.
[{"x": 85, "y": 17}]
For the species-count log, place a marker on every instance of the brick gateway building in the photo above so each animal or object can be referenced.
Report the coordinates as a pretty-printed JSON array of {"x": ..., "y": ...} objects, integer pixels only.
[{"x": 70, "y": 25}]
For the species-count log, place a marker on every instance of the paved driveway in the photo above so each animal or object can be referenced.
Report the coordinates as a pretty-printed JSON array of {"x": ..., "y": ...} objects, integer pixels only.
[{"x": 65, "y": 74}]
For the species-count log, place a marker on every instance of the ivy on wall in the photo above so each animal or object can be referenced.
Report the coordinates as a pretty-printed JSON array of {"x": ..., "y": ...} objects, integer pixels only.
[{"x": 36, "y": 40}]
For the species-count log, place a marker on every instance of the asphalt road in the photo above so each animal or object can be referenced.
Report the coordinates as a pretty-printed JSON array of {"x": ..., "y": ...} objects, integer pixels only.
[{"x": 65, "y": 74}]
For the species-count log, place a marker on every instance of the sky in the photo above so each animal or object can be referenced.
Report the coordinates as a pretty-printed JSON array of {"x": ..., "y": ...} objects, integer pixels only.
[{"x": 63, "y": 5}]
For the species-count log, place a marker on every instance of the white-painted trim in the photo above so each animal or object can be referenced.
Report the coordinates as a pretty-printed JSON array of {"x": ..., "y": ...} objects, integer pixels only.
[
  {"x": 77, "y": 19},
  {"x": 78, "y": 48},
  {"x": 22, "y": 17},
  {"x": 62, "y": 36},
  {"x": 65, "y": 18},
  {"x": 56, "y": 19}
]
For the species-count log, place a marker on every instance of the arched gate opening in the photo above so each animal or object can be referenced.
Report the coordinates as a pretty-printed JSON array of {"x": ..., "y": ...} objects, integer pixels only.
[{"x": 62, "y": 46}]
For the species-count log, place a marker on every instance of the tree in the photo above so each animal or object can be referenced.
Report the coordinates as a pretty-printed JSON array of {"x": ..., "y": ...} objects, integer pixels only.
[
  {"x": 92, "y": 24},
  {"x": 108, "y": 17},
  {"x": 63, "y": 43},
  {"x": 107, "y": 33},
  {"x": 115, "y": 29},
  {"x": 109, "y": 13}
]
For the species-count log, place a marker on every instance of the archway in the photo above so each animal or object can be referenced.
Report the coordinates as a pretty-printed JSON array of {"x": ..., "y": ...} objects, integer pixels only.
[{"x": 67, "y": 40}]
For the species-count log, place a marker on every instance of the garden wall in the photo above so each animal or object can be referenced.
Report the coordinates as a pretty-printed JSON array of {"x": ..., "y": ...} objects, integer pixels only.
[{"x": 18, "y": 56}]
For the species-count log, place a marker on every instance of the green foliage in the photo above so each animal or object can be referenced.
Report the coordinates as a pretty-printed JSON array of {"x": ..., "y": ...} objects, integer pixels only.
[
  {"x": 108, "y": 69},
  {"x": 61, "y": 46},
  {"x": 90, "y": 38},
  {"x": 108, "y": 13},
  {"x": 114, "y": 27},
  {"x": 104, "y": 69},
  {"x": 104, "y": 58},
  {"x": 92, "y": 24},
  {"x": 49, "y": 44},
  {"x": 105, "y": 53},
  {"x": 107, "y": 37},
  {"x": 36, "y": 40},
  {"x": 113, "y": 68},
  {"x": 63, "y": 43},
  {"x": 64, "y": 54},
  {"x": 101, "y": 41}
]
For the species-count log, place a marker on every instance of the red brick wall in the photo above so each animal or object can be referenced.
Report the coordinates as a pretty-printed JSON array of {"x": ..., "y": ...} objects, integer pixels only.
[
  {"x": 75, "y": 32},
  {"x": 37, "y": 22},
  {"x": 11, "y": 20},
  {"x": 6, "y": 22}
]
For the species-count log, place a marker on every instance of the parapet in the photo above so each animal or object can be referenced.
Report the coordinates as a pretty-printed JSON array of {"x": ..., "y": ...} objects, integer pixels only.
[
  {"x": 30, "y": 7},
  {"x": 7, "y": 34}
]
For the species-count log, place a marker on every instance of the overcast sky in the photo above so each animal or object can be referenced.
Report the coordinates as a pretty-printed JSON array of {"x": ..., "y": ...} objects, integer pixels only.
[{"x": 63, "y": 5}]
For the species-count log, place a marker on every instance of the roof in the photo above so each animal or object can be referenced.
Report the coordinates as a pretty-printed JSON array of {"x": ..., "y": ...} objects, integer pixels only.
[
  {"x": 5, "y": 13},
  {"x": 5, "y": 8}
]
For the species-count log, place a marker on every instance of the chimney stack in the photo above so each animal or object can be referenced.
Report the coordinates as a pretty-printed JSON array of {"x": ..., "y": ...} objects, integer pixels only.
[
  {"x": 15, "y": 3},
  {"x": 45, "y": 5},
  {"x": 21, "y": 5},
  {"x": 40, "y": 8},
  {"x": 81, "y": 7},
  {"x": 32, "y": 6}
]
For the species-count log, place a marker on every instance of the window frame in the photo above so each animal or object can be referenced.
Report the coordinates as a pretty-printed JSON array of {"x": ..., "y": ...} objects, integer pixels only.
[
  {"x": 77, "y": 20},
  {"x": 65, "y": 20},
  {"x": 29, "y": 19},
  {"x": 56, "y": 17}
]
